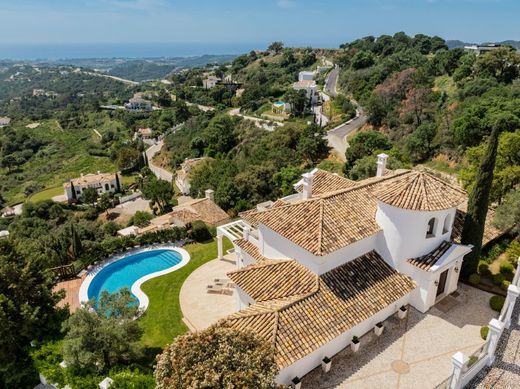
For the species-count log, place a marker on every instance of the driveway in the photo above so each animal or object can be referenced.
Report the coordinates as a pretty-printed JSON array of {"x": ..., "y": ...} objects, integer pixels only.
[
  {"x": 160, "y": 172},
  {"x": 412, "y": 353},
  {"x": 337, "y": 136}
]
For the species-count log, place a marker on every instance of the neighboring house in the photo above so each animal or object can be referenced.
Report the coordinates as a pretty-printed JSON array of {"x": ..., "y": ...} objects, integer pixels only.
[
  {"x": 145, "y": 133},
  {"x": 138, "y": 103},
  {"x": 8, "y": 212},
  {"x": 4, "y": 121},
  {"x": 328, "y": 263},
  {"x": 182, "y": 179},
  {"x": 306, "y": 75},
  {"x": 4, "y": 234},
  {"x": 310, "y": 88},
  {"x": 211, "y": 82},
  {"x": 479, "y": 49},
  {"x": 102, "y": 182},
  {"x": 203, "y": 209}
]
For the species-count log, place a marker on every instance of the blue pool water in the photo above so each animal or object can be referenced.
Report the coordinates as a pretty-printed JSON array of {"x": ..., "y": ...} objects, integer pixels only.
[{"x": 124, "y": 272}]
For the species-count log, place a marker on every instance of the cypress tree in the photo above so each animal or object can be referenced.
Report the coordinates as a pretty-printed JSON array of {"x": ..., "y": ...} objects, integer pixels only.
[
  {"x": 118, "y": 184},
  {"x": 73, "y": 190},
  {"x": 145, "y": 160},
  {"x": 76, "y": 242},
  {"x": 478, "y": 202}
]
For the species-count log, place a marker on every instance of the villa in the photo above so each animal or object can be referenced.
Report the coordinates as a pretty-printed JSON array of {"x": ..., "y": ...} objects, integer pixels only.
[
  {"x": 310, "y": 88},
  {"x": 324, "y": 265},
  {"x": 4, "y": 121},
  {"x": 138, "y": 103},
  {"x": 182, "y": 178},
  {"x": 102, "y": 182},
  {"x": 188, "y": 211},
  {"x": 210, "y": 82}
]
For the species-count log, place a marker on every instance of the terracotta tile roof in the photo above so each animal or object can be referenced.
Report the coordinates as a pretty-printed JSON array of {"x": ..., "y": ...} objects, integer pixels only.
[
  {"x": 325, "y": 223},
  {"x": 425, "y": 262},
  {"x": 490, "y": 231},
  {"x": 250, "y": 249},
  {"x": 419, "y": 191},
  {"x": 91, "y": 179},
  {"x": 200, "y": 209},
  {"x": 345, "y": 296},
  {"x": 323, "y": 182},
  {"x": 274, "y": 279}
]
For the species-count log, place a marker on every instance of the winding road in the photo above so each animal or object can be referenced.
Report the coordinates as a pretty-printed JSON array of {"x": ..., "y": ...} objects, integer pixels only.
[{"x": 337, "y": 136}]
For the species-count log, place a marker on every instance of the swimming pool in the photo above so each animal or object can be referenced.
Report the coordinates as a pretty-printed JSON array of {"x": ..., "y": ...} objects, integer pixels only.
[{"x": 131, "y": 271}]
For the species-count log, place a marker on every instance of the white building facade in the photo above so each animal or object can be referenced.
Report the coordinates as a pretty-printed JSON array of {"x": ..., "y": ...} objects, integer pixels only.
[
  {"x": 400, "y": 223},
  {"x": 101, "y": 182}
]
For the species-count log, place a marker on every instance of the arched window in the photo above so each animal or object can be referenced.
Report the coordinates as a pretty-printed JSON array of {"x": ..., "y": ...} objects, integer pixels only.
[
  {"x": 447, "y": 224},
  {"x": 430, "y": 232}
]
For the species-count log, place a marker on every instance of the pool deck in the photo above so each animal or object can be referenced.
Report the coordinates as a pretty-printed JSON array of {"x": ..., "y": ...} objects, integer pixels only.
[
  {"x": 200, "y": 308},
  {"x": 71, "y": 288}
]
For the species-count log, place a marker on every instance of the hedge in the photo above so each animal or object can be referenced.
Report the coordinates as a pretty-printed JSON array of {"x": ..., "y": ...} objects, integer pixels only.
[{"x": 497, "y": 302}]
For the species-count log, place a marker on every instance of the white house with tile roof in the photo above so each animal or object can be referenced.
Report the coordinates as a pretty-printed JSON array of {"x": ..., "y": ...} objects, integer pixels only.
[
  {"x": 328, "y": 263},
  {"x": 101, "y": 182}
]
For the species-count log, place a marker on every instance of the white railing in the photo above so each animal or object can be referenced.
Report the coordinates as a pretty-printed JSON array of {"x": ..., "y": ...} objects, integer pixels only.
[{"x": 462, "y": 373}]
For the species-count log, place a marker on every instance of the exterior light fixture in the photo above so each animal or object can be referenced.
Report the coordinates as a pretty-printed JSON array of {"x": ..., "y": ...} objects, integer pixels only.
[
  {"x": 456, "y": 270},
  {"x": 436, "y": 283}
]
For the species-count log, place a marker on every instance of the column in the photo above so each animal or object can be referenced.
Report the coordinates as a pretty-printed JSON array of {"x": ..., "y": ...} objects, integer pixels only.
[
  {"x": 495, "y": 330},
  {"x": 220, "y": 247},
  {"x": 512, "y": 293},
  {"x": 458, "y": 360}
]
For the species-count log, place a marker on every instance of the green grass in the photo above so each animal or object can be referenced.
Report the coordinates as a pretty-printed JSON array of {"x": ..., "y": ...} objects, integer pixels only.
[
  {"x": 46, "y": 194},
  {"x": 445, "y": 84},
  {"x": 64, "y": 157},
  {"x": 162, "y": 321}
]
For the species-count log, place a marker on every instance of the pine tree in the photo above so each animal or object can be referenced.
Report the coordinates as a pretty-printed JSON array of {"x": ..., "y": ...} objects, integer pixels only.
[{"x": 478, "y": 202}]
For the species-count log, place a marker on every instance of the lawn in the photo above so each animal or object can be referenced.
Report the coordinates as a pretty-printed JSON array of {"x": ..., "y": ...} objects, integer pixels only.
[
  {"x": 162, "y": 321},
  {"x": 46, "y": 194}
]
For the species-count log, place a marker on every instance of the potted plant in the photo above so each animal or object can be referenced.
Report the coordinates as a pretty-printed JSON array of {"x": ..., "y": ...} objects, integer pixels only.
[
  {"x": 326, "y": 363},
  {"x": 378, "y": 329},
  {"x": 355, "y": 344},
  {"x": 402, "y": 312},
  {"x": 296, "y": 383}
]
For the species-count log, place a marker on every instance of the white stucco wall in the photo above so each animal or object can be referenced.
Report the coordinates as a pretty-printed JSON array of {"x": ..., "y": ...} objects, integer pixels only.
[
  {"x": 242, "y": 299},
  {"x": 404, "y": 233},
  {"x": 309, "y": 362},
  {"x": 273, "y": 245}
]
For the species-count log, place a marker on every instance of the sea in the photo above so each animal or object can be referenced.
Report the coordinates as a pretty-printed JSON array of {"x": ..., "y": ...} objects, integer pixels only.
[{"x": 125, "y": 50}]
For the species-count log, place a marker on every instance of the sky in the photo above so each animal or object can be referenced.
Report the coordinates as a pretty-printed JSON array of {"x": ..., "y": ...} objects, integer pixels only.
[{"x": 257, "y": 22}]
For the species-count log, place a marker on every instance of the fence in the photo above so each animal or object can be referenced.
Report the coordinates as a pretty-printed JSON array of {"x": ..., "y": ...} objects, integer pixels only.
[{"x": 464, "y": 367}]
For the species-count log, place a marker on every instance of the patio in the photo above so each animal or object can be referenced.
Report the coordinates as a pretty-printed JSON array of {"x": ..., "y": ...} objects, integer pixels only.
[
  {"x": 411, "y": 353},
  {"x": 200, "y": 308}
]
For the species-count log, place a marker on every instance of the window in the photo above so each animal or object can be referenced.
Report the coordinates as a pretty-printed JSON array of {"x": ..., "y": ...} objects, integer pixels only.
[
  {"x": 107, "y": 187},
  {"x": 447, "y": 224},
  {"x": 432, "y": 223}
]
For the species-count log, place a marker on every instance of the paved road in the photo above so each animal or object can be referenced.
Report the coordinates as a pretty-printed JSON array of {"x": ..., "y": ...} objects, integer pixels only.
[
  {"x": 336, "y": 136},
  {"x": 161, "y": 173},
  {"x": 260, "y": 123},
  {"x": 330, "y": 83}
]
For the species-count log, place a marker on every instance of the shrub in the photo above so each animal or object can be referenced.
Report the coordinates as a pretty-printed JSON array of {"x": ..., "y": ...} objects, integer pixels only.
[
  {"x": 497, "y": 302},
  {"x": 507, "y": 270},
  {"x": 498, "y": 279},
  {"x": 474, "y": 279},
  {"x": 484, "y": 332},
  {"x": 483, "y": 269},
  {"x": 505, "y": 285},
  {"x": 198, "y": 231},
  {"x": 140, "y": 219},
  {"x": 513, "y": 252}
]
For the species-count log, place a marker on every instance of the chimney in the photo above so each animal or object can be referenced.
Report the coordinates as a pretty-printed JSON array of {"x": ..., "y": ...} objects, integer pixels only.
[
  {"x": 307, "y": 185},
  {"x": 210, "y": 194},
  {"x": 245, "y": 233},
  {"x": 381, "y": 164}
]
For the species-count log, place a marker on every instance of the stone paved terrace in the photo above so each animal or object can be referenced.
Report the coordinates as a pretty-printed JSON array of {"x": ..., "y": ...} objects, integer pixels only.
[
  {"x": 200, "y": 308},
  {"x": 411, "y": 353},
  {"x": 504, "y": 373}
]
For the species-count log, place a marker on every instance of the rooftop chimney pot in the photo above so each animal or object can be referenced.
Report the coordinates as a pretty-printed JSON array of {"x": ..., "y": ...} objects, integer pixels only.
[
  {"x": 210, "y": 194},
  {"x": 381, "y": 164},
  {"x": 307, "y": 185}
]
